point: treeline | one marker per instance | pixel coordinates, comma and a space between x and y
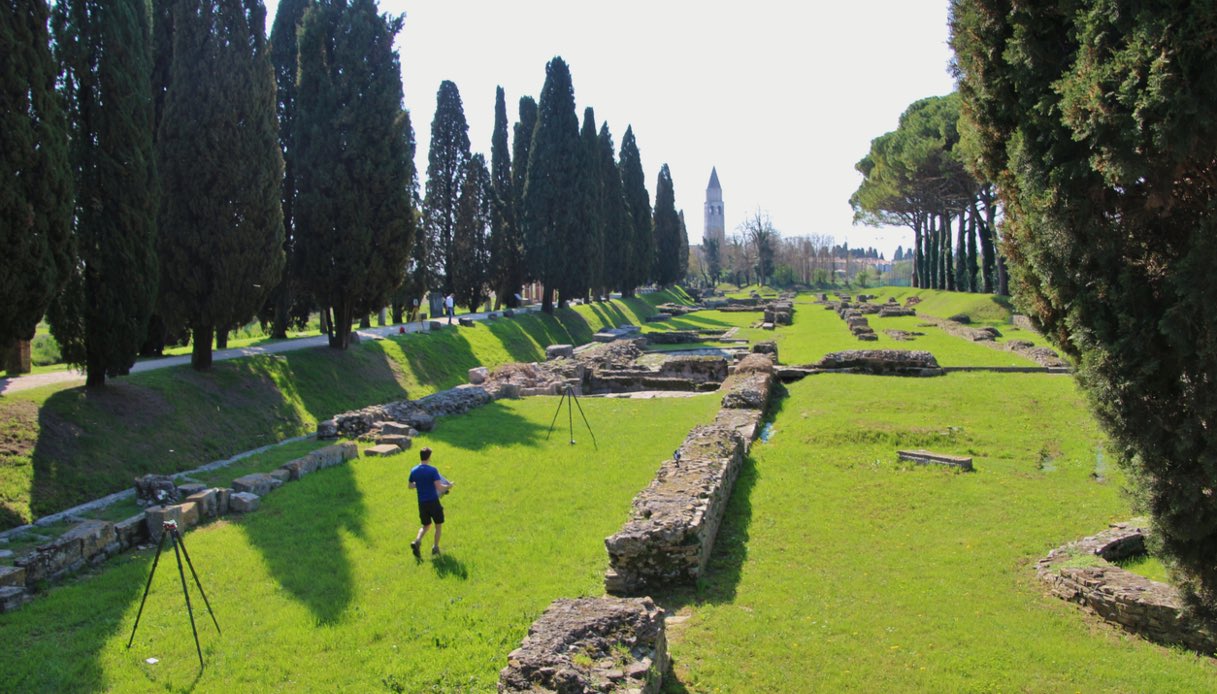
169, 171
918, 176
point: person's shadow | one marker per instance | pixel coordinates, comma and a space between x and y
447, 565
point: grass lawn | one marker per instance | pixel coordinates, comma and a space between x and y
839, 569
63, 445
317, 591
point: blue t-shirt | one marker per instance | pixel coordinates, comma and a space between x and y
424, 478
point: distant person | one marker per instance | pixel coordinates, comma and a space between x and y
431, 486
414, 310
450, 307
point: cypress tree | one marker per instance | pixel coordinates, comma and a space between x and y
638, 203
551, 194
101, 317
614, 215
470, 242
447, 162
507, 250
354, 221
284, 306
520, 147
221, 222
666, 269
35, 176
587, 268
682, 262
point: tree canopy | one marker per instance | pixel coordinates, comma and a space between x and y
641, 248
1098, 122
447, 162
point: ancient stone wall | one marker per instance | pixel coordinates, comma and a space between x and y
1138, 604
673, 523
591, 645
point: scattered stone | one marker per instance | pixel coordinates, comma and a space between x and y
903, 335
434, 325
207, 503
559, 351
155, 518
12, 576
961, 318
185, 490
243, 502
132, 531
190, 515
478, 375
258, 483
282, 475
766, 347
768, 326
924, 457
381, 450
577, 646
402, 442
465, 322
13, 597
156, 489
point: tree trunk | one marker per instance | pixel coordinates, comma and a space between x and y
340, 327
918, 261
325, 321
1003, 278
547, 298
17, 357
95, 370
972, 267
365, 322
283, 306
200, 353
961, 253
399, 312
222, 338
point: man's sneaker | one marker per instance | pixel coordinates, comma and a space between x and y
435, 551
414, 548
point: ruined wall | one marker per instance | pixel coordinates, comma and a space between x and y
1139, 605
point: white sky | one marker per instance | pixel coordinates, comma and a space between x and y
783, 97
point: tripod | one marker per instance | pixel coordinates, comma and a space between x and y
568, 396
170, 530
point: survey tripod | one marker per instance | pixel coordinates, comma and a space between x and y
568, 396
170, 530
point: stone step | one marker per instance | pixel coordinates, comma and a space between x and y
383, 449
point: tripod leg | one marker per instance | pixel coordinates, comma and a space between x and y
570, 415
160, 546
189, 610
556, 413
586, 423
182, 541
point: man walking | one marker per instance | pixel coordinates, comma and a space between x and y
430, 485
450, 307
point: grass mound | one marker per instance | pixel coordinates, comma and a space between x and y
61, 446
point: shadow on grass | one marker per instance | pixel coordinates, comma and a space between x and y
493, 425
516, 341
441, 358
446, 565
300, 536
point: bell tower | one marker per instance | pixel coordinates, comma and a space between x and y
716, 227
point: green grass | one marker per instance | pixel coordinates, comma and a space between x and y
840, 569
69, 445
317, 591
1146, 565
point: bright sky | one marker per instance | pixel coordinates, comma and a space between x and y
783, 97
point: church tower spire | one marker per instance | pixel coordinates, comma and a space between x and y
716, 226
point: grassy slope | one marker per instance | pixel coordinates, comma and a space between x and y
839, 569
317, 590
61, 446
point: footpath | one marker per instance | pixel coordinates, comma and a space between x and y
28, 381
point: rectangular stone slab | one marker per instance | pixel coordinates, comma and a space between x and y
924, 457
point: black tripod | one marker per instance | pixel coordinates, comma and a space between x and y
170, 530
568, 396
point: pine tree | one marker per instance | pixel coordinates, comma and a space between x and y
614, 215
520, 147
35, 175
682, 261
506, 248
221, 221
284, 306
638, 202
587, 261
354, 219
666, 269
101, 316
447, 161
551, 195
470, 242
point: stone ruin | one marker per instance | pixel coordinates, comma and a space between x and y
591, 645
673, 523
1139, 605
1040, 355
779, 312
883, 362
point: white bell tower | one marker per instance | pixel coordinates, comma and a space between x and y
716, 226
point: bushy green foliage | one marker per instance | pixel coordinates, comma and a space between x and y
641, 247
551, 192
667, 229
587, 274
615, 222
470, 237
447, 162
35, 175
221, 218
506, 242
1097, 121
354, 215
101, 317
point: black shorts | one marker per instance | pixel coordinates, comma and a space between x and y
430, 512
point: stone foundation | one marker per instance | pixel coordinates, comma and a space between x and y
885, 362
591, 645
1147, 608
